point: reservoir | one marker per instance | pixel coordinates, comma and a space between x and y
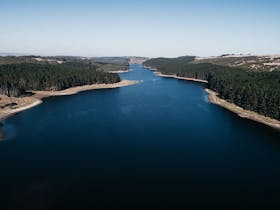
159, 143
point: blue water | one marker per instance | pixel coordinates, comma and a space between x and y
156, 144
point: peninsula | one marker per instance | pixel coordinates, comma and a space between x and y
13, 105
25, 81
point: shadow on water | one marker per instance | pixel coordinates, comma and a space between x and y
1, 131
7, 131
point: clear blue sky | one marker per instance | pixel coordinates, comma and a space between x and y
140, 27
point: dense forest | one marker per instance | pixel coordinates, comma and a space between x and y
16, 79
255, 91
112, 60
110, 67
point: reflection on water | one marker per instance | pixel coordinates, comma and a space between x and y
7, 131
1, 135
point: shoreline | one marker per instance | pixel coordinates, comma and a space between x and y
214, 98
180, 78
24, 103
119, 71
243, 113
158, 73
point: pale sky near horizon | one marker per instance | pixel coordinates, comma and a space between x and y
150, 28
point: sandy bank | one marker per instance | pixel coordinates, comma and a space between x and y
151, 68
74, 90
215, 99
175, 76
12, 105
119, 71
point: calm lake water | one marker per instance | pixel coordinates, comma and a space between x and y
159, 143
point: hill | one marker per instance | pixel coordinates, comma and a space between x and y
248, 63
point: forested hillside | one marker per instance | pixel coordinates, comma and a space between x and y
110, 67
167, 62
16, 79
100, 63
111, 60
255, 91
110, 63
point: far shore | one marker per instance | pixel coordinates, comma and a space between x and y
119, 71
215, 99
24, 103
180, 78
175, 76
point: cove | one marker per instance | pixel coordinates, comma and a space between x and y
159, 143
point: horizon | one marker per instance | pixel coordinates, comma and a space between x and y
145, 29
16, 54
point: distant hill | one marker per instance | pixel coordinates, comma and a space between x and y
247, 62
165, 62
112, 60
137, 59
101, 63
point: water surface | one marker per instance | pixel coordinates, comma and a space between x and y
159, 143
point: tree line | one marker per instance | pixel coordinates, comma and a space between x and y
255, 91
17, 79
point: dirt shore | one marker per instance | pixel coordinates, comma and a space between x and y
215, 99
119, 71
13, 105
175, 76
